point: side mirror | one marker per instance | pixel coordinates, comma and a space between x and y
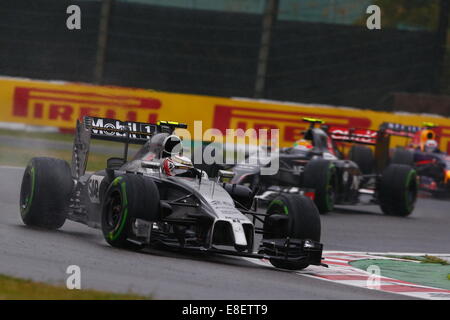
115, 163
151, 165
241, 194
316, 152
224, 175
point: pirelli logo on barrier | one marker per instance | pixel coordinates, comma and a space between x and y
288, 122
59, 106
290, 125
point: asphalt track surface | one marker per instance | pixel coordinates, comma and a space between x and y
44, 256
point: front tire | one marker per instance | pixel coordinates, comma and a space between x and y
128, 197
397, 191
303, 222
403, 156
45, 193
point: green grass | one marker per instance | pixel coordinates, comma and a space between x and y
19, 156
51, 136
433, 259
55, 136
16, 156
18, 289
423, 259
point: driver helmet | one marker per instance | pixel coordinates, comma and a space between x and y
431, 146
176, 165
303, 144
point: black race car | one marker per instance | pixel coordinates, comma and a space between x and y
159, 199
317, 163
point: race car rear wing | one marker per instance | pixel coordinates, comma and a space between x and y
113, 130
379, 139
399, 130
362, 136
127, 131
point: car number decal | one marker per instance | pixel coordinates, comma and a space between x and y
94, 188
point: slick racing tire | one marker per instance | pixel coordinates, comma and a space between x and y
363, 157
45, 193
303, 222
403, 156
127, 198
397, 190
320, 175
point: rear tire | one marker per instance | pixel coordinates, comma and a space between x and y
45, 193
363, 157
303, 223
403, 156
320, 175
128, 197
397, 190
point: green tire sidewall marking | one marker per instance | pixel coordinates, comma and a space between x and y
29, 200
113, 235
116, 181
409, 177
280, 203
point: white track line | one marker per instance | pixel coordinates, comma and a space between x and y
12, 167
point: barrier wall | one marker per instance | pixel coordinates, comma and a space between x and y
59, 104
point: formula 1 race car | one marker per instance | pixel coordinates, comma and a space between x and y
422, 152
159, 199
316, 162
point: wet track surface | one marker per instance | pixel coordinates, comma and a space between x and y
44, 256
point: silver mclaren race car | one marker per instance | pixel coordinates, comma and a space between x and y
158, 198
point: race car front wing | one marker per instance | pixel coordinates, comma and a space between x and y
286, 249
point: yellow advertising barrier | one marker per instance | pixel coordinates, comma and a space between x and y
59, 104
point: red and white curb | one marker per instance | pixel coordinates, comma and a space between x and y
340, 271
